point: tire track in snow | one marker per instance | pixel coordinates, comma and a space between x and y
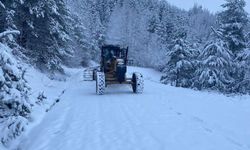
212, 129
137, 127
123, 131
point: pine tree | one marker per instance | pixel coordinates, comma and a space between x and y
242, 85
248, 39
199, 22
44, 32
171, 23
215, 66
15, 106
7, 19
6, 15
232, 21
179, 68
79, 44
2, 16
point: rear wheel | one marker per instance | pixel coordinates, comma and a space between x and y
137, 83
100, 83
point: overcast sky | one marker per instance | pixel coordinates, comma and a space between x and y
212, 5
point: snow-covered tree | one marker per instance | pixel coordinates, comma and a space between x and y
215, 66
94, 15
233, 21
7, 19
15, 106
248, 38
242, 84
44, 32
79, 44
179, 68
172, 23
199, 22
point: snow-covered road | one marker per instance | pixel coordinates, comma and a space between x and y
161, 118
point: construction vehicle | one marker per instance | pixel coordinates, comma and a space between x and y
113, 69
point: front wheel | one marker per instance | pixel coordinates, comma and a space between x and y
100, 83
137, 83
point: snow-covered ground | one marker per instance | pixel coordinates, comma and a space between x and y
161, 118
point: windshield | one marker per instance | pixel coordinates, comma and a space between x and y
108, 54
113, 53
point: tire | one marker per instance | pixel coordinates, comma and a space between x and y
100, 83
137, 83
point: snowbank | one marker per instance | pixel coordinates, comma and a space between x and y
40, 85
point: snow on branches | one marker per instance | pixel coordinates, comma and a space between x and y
2, 5
179, 67
14, 97
215, 64
10, 32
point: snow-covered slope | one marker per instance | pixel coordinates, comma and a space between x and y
161, 118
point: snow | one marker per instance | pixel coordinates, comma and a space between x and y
52, 90
2, 5
163, 117
5, 33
